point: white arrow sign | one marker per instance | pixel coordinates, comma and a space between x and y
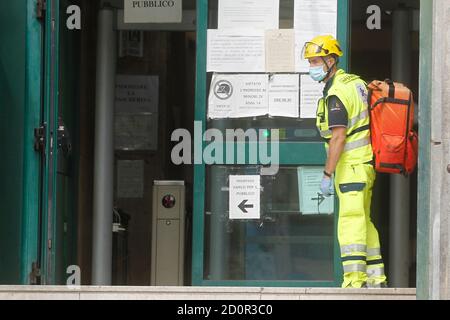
244, 197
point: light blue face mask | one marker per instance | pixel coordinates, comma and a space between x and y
317, 73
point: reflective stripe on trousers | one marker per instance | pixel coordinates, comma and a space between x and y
354, 267
375, 271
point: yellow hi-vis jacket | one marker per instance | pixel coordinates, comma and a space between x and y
352, 92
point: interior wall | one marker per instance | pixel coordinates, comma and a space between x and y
86, 116
154, 62
164, 56
170, 56
370, 58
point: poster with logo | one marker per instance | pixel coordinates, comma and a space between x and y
251, 95
221, 96
238, 96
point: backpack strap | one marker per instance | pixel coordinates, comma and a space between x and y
390, 83
390, 100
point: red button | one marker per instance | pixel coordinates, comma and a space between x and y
168, 201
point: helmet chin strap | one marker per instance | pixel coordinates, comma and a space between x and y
328, 68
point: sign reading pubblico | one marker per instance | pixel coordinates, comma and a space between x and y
153, 11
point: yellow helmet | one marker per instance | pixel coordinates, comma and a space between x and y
321, 46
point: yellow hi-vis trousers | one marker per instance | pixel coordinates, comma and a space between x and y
358, 238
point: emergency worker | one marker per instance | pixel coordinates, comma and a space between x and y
343, 122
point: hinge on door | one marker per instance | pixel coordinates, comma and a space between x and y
35, 275
40, 9
39, 138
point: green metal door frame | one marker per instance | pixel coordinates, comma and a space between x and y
291, 153
50, 118
31, 163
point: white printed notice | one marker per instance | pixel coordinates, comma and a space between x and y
244, 196
280, 52
136, 94
136, 131
301, 65
222, 93
258, 14
235, 51
252, 97
318, 16
311, 199
238, 96
312, 18
283, 95
130, 178
145, 11
310, 93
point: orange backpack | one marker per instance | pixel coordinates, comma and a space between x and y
394, 142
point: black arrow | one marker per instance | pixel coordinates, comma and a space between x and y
243, 206
319, 198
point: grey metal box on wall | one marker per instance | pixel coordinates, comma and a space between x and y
168, 233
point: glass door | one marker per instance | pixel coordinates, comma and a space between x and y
291, 241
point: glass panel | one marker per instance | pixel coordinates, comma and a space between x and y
283, 244
290, 129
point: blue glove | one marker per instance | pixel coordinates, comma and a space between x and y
326, 186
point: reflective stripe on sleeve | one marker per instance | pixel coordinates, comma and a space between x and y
351, 248
325, 133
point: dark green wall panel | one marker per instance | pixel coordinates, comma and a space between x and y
12, 102
19, 113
